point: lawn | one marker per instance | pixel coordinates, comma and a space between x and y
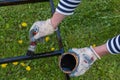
93, 23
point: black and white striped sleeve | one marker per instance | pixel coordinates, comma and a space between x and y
113, 45
67, 7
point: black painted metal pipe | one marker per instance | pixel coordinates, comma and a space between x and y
30, 57
58, 30
16, 2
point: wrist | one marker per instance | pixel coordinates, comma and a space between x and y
53, 23
57, 19
95, 53
101, 50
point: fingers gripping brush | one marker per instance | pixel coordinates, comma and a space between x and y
33, 43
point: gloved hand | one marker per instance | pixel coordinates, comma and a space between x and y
77, 61
41, 29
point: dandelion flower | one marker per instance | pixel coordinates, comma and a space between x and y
47, 39
20, 41
4, 65
15, 63
22, 64
94, 45
28, 68
52, 49
24, 24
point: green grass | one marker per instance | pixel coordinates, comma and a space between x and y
93, 22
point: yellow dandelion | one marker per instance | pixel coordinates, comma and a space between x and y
28, 68
15, 63
4, 65
20, 41
24, 24
52, 49
47, 39
22, 64
94, 45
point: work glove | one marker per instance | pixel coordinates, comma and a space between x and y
77, 61
40, 29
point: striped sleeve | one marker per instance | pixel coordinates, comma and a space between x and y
113, 45
67, 7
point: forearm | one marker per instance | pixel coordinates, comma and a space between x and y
57, 19
112, 46
64, 8
101, 50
